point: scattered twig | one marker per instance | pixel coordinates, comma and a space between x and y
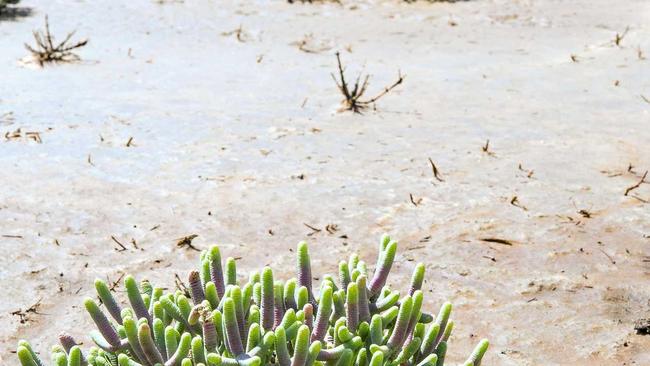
23, 315
608, 256
90, 160
180, 285
497, 241
515, 202
574, 58
187, 242
645, 99
619, 37
416, 247
129, 143
18, 134
490, 258
529, 173
352, 98
314, 230
486, 148
239, 33
46, 51
331, 228
307, 45
584, 213
12, 236
436, 172
115, 284
414, 201
637, 185
122, 247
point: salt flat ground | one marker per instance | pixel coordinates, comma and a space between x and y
237, 140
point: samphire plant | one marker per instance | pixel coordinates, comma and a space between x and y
353, 320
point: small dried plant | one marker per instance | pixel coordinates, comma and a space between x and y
352, 97
46, 50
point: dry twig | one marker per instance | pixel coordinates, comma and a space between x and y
122, 247
187, 242
629, 189
352, 97
47, 51
497, 241
619, 37
436, 173
23, 315
239, 33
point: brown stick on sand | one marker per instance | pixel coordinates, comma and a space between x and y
630, 189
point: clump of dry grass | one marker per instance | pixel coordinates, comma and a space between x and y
47, 51
353, 97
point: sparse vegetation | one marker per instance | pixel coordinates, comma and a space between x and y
47, 51
352, 96
357, 320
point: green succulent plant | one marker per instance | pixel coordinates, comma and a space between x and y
356, 320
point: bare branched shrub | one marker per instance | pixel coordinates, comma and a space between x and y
47, 51
352, 97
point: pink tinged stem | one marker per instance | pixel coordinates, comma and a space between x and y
232, 328
322, 315
352, 307
109, 301
105, 327
67, 342
364, 306
216, 272
148, 346
278, 302
133, 293
399, 330
196, 287
267, 308
209, 335
417, 278
304, 268
308, 310
384, 264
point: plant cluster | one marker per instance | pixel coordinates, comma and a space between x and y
353, 320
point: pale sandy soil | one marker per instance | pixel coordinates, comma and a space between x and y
223, 129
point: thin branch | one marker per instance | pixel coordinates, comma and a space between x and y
436, 173
629, 189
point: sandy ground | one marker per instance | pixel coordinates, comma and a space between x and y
239, 141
